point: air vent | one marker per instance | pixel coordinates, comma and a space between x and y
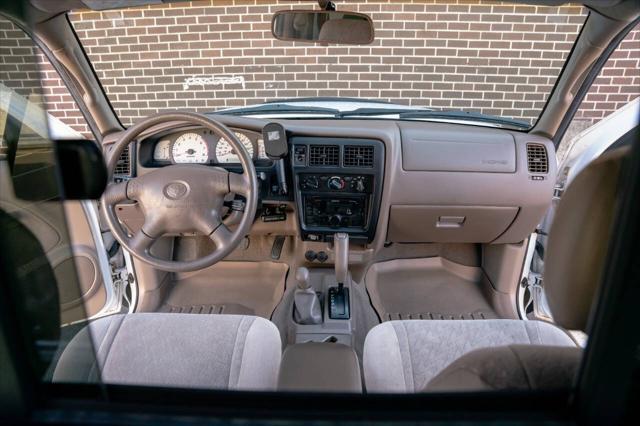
324, 155
358, 156
123, 167
537, 160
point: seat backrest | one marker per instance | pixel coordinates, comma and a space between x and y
578, 240
513, 367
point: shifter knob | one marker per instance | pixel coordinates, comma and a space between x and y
302, 278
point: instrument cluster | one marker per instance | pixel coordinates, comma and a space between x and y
202, 146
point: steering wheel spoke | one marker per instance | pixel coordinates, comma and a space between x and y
239, 183
222, 236
115, 193
141, 242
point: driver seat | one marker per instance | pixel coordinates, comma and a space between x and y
175, 350
154, 349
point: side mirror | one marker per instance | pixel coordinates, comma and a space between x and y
82, 169
322, 26
57, 170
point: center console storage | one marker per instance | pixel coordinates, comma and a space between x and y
320, 367
335, 324
338, 186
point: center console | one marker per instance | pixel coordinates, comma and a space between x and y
338, 186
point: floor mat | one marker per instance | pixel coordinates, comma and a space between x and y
478, 315
242, 288
229, 309
430, 288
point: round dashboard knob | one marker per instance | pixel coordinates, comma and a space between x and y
311, 182
335, 221
336, 183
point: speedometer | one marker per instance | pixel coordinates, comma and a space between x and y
225, 153
190, 148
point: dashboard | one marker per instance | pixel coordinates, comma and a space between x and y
200, 146
381, 181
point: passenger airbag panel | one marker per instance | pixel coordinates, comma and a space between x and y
468, 150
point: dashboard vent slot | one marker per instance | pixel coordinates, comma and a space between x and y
123, 166
324, 155
537, 160
358, 156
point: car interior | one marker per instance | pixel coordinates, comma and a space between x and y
296, 246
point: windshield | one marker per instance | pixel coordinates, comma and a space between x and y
496, 59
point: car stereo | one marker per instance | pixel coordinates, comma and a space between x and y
338, 184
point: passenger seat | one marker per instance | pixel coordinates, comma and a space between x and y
416, 356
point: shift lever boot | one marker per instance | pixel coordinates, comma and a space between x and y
306, 305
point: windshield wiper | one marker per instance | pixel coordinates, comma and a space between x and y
437, 114
279, 109
361, 112
402, 113
330, 99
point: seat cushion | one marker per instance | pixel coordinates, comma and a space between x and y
403, 356
175, 350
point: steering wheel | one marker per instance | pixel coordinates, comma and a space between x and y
181, 198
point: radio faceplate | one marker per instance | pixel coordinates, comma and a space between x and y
335, 212
333, 198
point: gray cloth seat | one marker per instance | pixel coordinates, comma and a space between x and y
175, 350
404, 356
414, 356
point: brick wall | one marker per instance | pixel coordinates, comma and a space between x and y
493, 58
19, 63
490, 57
22, 65
618, 82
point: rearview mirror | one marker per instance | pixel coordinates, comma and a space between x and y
322, 26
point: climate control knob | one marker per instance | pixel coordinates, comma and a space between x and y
310, 182
336, 183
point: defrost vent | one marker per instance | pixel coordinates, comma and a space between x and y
324, 155
537, 159
358, 156
123, 166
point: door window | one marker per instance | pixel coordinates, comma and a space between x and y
32, 215
610, 109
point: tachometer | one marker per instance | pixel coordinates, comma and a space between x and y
162, 150
225, 152
190, 148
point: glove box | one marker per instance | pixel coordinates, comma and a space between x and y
448, 224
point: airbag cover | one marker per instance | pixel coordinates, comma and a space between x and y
468, 150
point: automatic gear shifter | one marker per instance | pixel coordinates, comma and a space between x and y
341, 249
306, 308
339, 296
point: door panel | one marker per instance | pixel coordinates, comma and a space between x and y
84, 259
28, 190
